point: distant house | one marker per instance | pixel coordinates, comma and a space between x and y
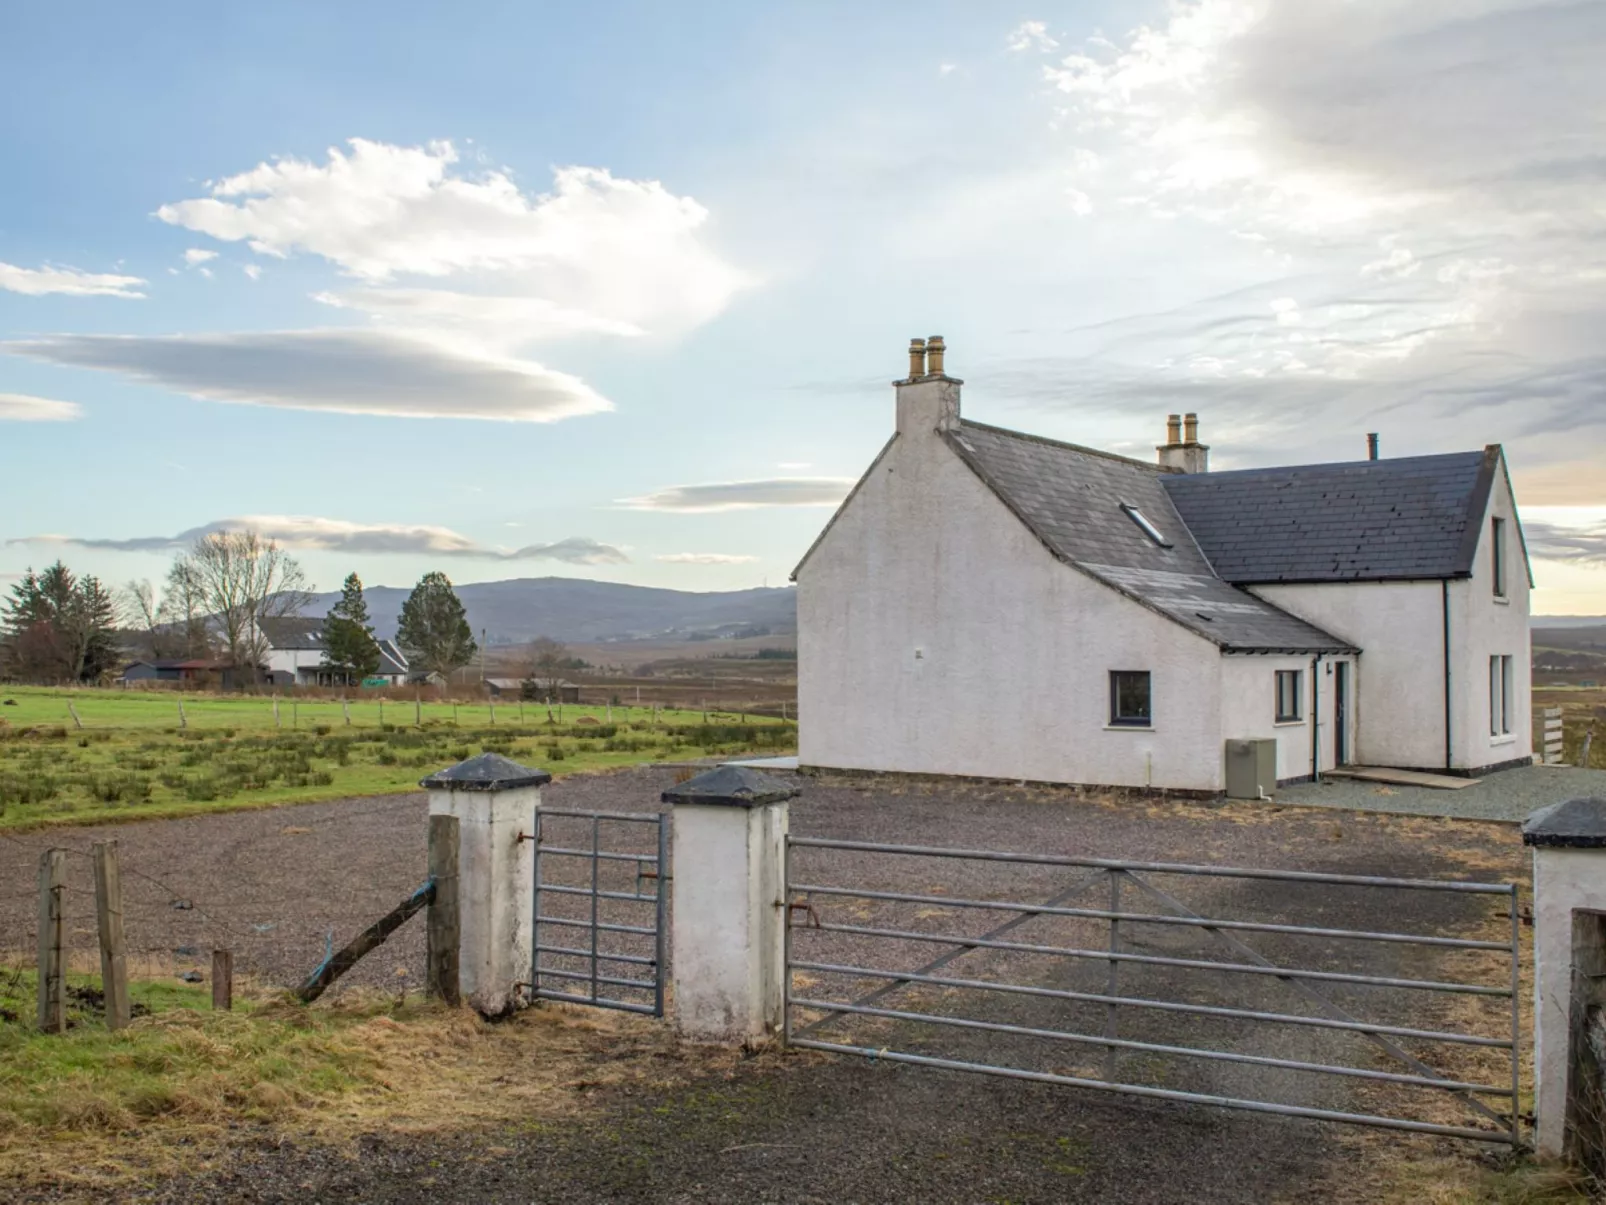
297, 657
991, 603
549, 690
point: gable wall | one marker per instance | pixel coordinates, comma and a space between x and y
937, 635
1482, 626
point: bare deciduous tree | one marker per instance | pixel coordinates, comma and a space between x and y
240, 579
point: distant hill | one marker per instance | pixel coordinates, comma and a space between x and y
1566, 621
573, 609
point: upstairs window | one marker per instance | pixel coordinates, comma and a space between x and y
1148, 528
1290, 692
1130, 699
1497, 545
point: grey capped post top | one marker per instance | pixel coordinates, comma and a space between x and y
487, 772
1573, 824
732, 786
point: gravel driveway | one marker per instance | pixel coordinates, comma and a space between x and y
1509, 795
806, 1127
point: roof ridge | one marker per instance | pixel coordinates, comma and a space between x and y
1158, 470
1369, 465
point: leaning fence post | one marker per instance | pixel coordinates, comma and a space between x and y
1569, 939
492, 799
109, 921
443, 924
52, 978
222, 980
728, 893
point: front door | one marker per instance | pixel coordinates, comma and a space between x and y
1341, 753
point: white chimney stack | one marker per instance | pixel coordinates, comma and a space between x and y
1182, 452
928, 400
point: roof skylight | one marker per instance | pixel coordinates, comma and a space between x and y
1142, 520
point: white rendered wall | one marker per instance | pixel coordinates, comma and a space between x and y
1398, 682
1249, 709
1481, 626
1564, 880
936, 635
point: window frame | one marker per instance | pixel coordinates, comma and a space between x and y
1497, 546
1296, 695
1117, 720
1502, 700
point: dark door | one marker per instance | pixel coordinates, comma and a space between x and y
1341, 752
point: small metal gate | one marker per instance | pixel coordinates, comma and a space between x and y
1115, 989
599, 894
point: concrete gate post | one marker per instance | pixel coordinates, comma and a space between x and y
728, 896
494, 800
1569, 883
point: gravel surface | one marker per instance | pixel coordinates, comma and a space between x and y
805, 1127
1509, 795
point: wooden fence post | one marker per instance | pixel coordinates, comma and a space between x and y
52, 980
73, 711
109, 921
276, 722
182, 722
346, 708
222, 980
443, 925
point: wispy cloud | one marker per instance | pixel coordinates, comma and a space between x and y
1031, 35
21, 408
194, 256
338, 535
1582, 542
350, 372
37, 282
704, 558
597, 253
744, 495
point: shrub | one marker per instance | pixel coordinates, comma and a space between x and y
555, 753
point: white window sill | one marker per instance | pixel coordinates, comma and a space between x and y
1289, 724
1509, 739
1129, 727
1502, 600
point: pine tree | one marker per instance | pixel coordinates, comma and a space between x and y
348, 637
434, 628
59, 627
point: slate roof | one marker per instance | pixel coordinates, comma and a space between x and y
1416, 517
1072, 499
293, 632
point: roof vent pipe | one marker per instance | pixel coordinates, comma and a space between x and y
1371, 445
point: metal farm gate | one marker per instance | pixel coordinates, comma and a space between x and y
599, 931
1382, 1002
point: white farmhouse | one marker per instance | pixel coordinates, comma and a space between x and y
996, 604
297, 656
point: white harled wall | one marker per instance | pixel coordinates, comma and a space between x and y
937, 635
1249, 708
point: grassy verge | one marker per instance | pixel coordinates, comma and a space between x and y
55, 773
96, 1108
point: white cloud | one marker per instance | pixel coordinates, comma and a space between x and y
745, 495
21, 408
597, 253
1031, 35
1573, 534
794, 466
349, 372
704, 558
339, 535
36, 282
198, 255
254, 271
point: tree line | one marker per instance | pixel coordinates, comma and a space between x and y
216, 605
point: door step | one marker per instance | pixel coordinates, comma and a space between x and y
1403, 778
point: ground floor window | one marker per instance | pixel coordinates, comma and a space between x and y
1290, 692
1501, 695
1130, 698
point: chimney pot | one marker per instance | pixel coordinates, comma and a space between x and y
1371, 445
1190, 428
934, 350
917, 359
1173, 429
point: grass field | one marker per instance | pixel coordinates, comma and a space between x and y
131, 754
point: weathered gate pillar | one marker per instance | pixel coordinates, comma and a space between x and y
1569, 844
494, 800
728, 896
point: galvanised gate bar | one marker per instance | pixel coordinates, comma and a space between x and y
1134, 1007
599, 912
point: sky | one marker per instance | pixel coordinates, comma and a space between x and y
617, 290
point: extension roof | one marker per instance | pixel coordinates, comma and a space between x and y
1417, 517
1080, 503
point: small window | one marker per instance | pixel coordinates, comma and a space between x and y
1142, 520
1502, 700
1497, 545
1290, 683
1129, 698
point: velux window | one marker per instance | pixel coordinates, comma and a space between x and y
1290, 691
1148, 528
1130, 698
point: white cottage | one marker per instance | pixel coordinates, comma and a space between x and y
996, 604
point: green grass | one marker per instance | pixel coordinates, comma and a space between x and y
132, 760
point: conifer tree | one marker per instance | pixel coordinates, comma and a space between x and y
434, 628
348, 638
